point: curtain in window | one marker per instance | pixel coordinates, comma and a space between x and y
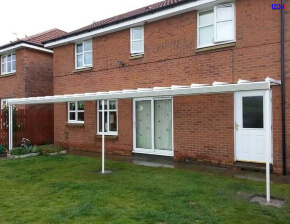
143, 124
163, 124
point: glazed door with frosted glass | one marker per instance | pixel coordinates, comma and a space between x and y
251, 126
143, 125
153, 126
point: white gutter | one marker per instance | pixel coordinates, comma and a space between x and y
138, 93
24, 45
136, 22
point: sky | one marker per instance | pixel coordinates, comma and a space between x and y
29, 17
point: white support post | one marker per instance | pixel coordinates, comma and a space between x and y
10, 125
103, 137
268, 121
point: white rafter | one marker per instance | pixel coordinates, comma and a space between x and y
175, 90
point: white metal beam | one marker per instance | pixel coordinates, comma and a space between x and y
10, 126
103, 137
157, 92
268, 109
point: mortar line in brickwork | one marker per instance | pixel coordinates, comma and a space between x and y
171, 59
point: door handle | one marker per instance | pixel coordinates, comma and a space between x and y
237, 126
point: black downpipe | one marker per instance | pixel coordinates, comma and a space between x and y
283, 89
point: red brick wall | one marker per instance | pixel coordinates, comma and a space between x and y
170, 59
204, 127
33, 77
14, 86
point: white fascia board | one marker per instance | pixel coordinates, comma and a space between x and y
24, 45
135, 22
265, 85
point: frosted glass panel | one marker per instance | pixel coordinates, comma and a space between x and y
137, 34
225, 31
224, 13
80, 60
13, 66
143, 125
3, 68
88, 58
79, 48
206, 18
163, 124
88, 46
206, 36
9, 67
137, 46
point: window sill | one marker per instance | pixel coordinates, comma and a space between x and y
9, 74
108, 137
75, 125
83, 69
215, 48
136, 56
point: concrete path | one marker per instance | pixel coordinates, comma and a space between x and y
158, 161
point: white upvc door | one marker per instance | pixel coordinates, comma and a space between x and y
253, 122
153, 126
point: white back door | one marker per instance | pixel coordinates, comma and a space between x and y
252, 126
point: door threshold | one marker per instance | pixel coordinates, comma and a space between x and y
252, 166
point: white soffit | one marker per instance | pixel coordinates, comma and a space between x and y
163, 14
194, 89
23, 45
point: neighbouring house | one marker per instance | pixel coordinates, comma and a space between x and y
177, 42
26, 70
27, 67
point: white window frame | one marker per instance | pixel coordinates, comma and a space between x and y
83, 53
132, 41
76, 111
108, 110
153, 150
4, 102
6, 64
215, 41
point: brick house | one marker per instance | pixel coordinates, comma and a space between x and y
26, 67
176, 42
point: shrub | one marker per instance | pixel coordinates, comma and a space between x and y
49, 149
19, 151
23, 150
2, 150
44, 149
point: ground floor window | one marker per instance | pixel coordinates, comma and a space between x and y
110, 110
153, 126
76, 112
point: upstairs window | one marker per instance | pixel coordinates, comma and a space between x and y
84, 54
110, 115
76, 112
216, 26
8, 64
137, 40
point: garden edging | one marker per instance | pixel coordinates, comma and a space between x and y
22, 156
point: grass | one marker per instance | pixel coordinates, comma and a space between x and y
66, 189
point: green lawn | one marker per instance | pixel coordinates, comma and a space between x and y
66, 190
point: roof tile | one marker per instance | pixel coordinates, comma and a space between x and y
134, 13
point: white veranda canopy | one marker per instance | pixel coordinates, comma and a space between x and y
175, 90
